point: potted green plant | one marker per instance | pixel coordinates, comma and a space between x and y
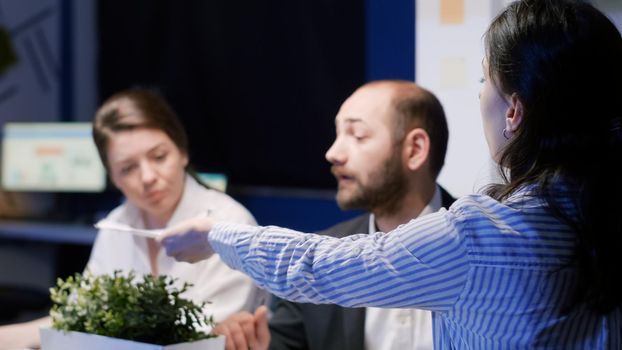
123, 312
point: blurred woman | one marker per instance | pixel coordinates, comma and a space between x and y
144, 148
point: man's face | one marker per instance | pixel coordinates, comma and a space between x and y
366, 159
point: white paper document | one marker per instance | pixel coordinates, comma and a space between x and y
116, 226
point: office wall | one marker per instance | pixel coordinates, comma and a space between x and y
34, 27
84, 58
257, 84
448, 62
54, 77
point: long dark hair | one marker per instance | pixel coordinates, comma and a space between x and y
563, 59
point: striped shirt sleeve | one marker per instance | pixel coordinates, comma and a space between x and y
420, 264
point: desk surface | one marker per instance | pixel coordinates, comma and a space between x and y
54, 232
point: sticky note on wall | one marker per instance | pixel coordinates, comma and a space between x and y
453, 72
452, 11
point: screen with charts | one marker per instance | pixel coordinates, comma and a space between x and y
52, 157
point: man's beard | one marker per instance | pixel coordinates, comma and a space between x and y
383, 194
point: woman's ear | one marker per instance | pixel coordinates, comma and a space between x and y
416, 148
185, 159
514, 115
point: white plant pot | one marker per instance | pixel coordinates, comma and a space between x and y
52, 339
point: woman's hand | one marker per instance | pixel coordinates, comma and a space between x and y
187, 241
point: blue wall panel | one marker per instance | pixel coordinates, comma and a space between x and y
390, 33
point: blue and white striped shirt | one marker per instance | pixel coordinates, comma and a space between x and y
496, 275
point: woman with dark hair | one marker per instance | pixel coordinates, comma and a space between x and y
534, 263
144, 148
560, 63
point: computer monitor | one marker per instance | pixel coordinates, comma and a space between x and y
51, 157
216, 181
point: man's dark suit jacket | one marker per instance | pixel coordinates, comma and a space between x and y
325, 327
